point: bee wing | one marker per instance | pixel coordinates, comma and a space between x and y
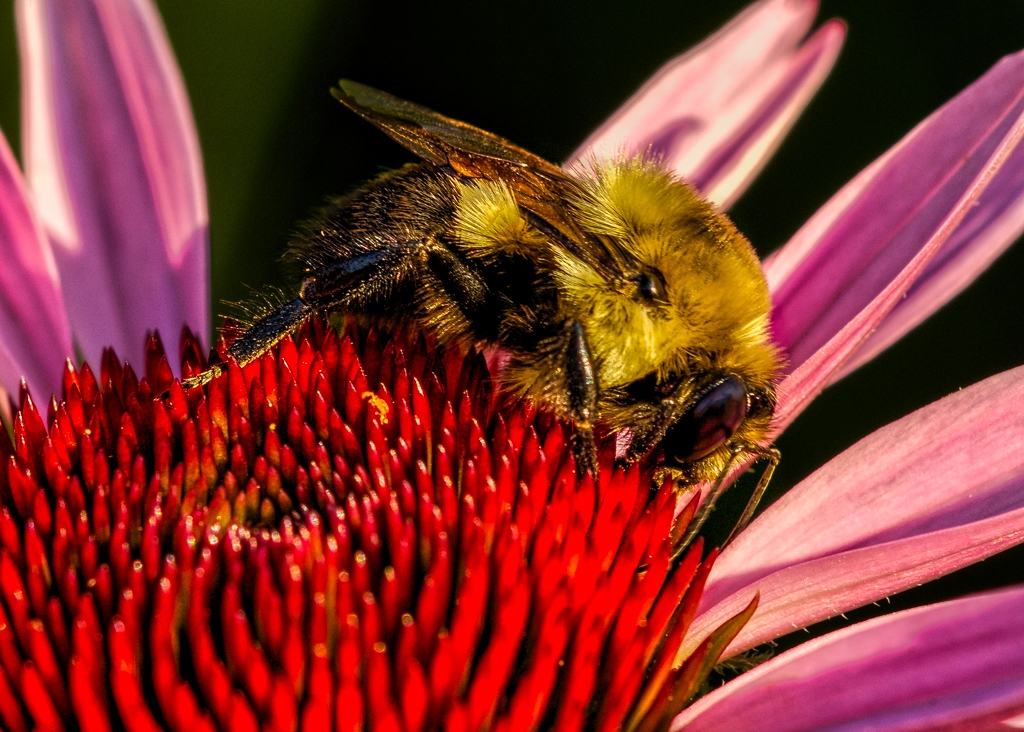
438, 139
540, 187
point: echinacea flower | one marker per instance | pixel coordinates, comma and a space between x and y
351, 533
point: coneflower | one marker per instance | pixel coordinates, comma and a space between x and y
262, 554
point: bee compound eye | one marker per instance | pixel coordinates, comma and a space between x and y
714, 417
645, 287
649, 286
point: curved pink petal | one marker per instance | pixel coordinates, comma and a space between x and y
798, 596
870, 256
954, 666
112, 157
995, 222
858, 243
35, 337
931, 493
717, 113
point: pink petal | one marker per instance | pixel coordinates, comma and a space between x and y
858, 243
798, 596
35, 337
954, 666
841, 276
718, 112
113, 159
931, 493
995, 222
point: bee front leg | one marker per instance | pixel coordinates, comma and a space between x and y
348, 282
582, 388
268, 330
257, 340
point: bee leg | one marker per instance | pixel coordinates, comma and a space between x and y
263, 334
362, 280
582, 389
708, 505
772, 456
268, 330
348, 281
753, 452
469, 292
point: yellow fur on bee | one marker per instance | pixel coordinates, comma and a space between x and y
487, 221
718, 302
716, 311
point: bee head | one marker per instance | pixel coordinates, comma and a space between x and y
690, 297
682, 337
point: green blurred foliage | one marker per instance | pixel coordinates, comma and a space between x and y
544, 74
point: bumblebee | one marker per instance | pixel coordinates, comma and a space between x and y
621, 300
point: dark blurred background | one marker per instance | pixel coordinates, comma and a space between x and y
545, 74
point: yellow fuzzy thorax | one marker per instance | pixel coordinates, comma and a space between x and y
716, 310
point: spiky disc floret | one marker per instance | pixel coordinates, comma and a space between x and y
343, 535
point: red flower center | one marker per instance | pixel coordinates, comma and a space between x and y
346, 534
